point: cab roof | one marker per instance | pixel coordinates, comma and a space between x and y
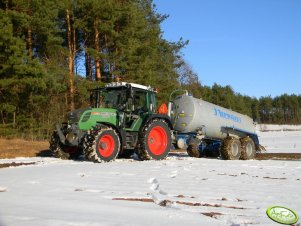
124, 84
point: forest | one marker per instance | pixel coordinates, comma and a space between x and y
53, 52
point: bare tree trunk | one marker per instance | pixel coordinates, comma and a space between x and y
6, 6
29, 41
71, 38
65, 110
29, 29
107, 75
88, 61
96, 43
2, 116
117, 76
88, 65
14, 119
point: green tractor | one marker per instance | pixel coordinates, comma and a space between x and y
122, 120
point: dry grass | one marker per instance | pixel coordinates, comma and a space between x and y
13, 164
278, 156
12, 148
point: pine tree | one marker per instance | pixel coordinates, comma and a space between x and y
21, 77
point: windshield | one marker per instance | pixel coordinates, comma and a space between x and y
109, 98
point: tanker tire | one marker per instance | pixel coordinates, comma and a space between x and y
231, 148
248, 150
56, 148
93, 141
193, 151
149, 138
260, 149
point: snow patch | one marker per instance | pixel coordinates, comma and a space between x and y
272, 127
3, 189
176, 191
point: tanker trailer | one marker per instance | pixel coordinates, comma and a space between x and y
204, 127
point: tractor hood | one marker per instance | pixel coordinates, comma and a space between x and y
92, 116
74, 116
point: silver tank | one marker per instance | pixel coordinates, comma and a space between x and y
190, 114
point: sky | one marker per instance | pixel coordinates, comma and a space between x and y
252, 45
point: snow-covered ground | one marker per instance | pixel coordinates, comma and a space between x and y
271, 127
177, 191
280, 138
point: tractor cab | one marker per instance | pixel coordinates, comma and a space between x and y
124, 96
133, 102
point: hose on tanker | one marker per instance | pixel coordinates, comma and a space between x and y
175, 91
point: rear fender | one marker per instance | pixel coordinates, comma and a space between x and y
151, 117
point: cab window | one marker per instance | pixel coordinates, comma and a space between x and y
140, 101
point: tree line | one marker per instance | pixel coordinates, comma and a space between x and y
53, 52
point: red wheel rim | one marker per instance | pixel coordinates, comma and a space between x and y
106, 146
157, 140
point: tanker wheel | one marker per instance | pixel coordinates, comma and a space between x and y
248, 150
193, 149
56, 148
154, 141
101, 144
231, 148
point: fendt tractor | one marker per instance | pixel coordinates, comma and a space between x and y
123, 120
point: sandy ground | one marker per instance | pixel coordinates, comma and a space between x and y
12, 148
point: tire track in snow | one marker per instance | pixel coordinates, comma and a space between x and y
166, 200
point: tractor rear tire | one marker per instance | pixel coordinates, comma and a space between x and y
56, 148
154, 141
231, 148
248, 150
101, 144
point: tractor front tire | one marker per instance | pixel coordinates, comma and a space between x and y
154, 141
56, 148
231, 148
101, 144
248, 150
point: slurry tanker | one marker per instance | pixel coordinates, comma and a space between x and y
122, 119
208, 129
